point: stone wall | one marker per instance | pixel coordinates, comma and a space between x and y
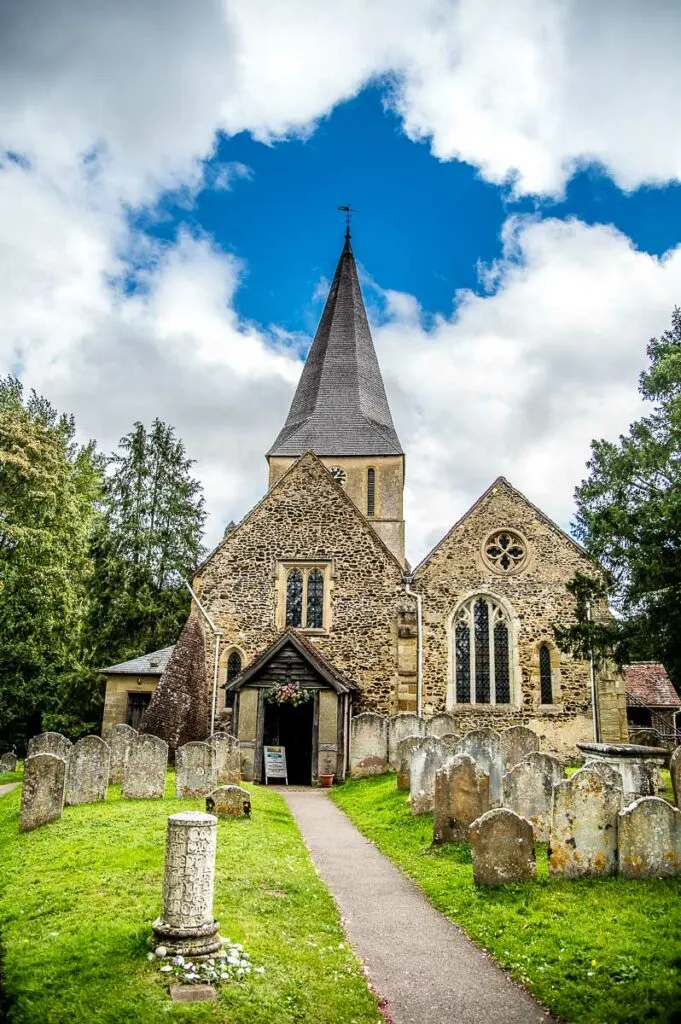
116, 699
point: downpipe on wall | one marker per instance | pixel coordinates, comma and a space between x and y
216, 661
419, 643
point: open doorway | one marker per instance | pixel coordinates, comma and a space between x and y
291, 727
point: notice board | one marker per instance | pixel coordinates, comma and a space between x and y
275, 763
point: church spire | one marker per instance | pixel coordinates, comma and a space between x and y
340, 406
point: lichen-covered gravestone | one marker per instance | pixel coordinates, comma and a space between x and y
50, 743
88, 771
42, 793
440, 724
368, 745
144, 772
404, 752
229, 802
461, 796
426, 757
516, 742
528, 790
8, 763
484, 746
675, 772
502, 847
451, 739
227, 758
121, 738
583, 837
195, 769
400, 726
609, 774
650, 839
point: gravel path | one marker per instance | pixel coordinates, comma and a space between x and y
423, 966
8, 787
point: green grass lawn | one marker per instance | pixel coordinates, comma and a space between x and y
603, 951
78, 896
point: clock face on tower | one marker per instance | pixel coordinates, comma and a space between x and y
339, 475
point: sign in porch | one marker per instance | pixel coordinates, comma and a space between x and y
275, 763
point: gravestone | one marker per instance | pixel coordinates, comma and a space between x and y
195, 769
426, 757
516, 742
121, 738
528, 791
88, 771
675, 772
229, 802
404, 752
583, 838
610, 774
440, 724
484, 746
461, 796
399, 728
649, 839
227, 758
450, 739
144, 772
186, 924
368, 745
502, 847
50, 743
42, 793
8, 763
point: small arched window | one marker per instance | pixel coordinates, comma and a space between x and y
233, 666
294, 598
315, 600
545, 681
371, 492
482, 652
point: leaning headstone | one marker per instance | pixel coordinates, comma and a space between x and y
461, 796
502, 847
88, 774
675, 772
144, 772
583, 838
368, 745
196, 771
121, 738
440, 724
484, 746
227, 758
8, 763
649, 839
516, 742
528, 791
399, 728
50, 743
186, 924
426, 757
42, 793
229, 802
404, 752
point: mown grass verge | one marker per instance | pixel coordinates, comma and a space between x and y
77, 899
604, 951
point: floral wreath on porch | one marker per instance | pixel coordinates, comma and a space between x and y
287, 693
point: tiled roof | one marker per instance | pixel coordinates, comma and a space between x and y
648, 680
340, 406
326, 668
146, 665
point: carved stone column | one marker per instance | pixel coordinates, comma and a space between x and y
186, 924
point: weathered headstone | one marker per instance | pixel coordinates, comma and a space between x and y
450, 739
186, 924
440, 724
583, 838
144, 772
610, 775
8, 763
404, 751
88, 771
50, 743
196, 771
461, 796
649, 839
399, 728
426, 757
229, 802
516, 742
528, 790
227, 758
121, 738
675, 772
484, 746
368, 745
502, 847
42, 793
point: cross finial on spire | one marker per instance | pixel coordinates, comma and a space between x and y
348, 211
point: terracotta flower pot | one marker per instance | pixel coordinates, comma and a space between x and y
326, 781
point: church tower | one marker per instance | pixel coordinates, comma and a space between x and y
341, 413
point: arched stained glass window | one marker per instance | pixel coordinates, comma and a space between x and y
482, 652
315, 600
545, 681
233, 666
294, 598
371, 492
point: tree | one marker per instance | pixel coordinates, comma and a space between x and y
629, 520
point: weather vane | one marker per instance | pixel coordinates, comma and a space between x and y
348, 211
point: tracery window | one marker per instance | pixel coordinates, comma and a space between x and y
303, 594
505, 552
294, 598
482, 652
233, 666
315, 600
545, 681
371, 492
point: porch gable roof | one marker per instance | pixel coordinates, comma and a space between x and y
311, 654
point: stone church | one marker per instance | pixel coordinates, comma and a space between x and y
312, 587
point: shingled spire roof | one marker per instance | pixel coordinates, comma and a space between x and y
340, 406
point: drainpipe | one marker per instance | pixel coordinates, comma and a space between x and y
592, 678
419, 643
216, 660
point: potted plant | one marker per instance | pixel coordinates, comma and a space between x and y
326, 779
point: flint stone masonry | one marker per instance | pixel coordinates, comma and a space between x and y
502, 847
528, 791
404, 752
429, 755
368, 745
144, 772
650, 839
42, 794
227, 758
461, 796
484, 746
583, 837
88, 771
196, 771
8, 763
50, 743
186, 924
439, 725
400, 727
121, 738
516, 742
229, 802
675, 772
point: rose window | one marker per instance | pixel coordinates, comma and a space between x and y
505, 552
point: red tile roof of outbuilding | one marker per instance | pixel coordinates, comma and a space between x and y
648, 680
